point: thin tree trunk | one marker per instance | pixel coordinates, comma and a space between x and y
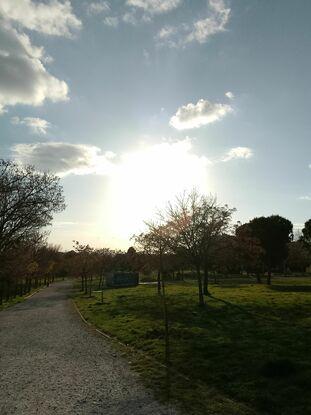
167, 340
159, 282
1, 291
201, 296
205, 280
7, 294
269, 277
85, 285
100, 282
91, 282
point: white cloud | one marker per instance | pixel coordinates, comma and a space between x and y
52, 18
199, 31
305, 198
64, 158
36, 125
199, 114
155, 6
23, 76
229, 95
111, 21
98, 7
133, 18
166, 32
103, 8
238, 153
181, 168
80, 159
167, 36
214, 23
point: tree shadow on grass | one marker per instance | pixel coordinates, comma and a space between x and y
230, 346
291, 288
230, 286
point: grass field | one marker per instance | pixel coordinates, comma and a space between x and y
247, 352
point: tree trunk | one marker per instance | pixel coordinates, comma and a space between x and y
91, 282
167, 339
100, 282
269, 277
258, 277
159, 282
85, 285
1, 291
205, 281
201, 297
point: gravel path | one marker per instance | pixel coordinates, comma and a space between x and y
52, 363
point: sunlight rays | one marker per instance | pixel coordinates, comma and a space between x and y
145, 179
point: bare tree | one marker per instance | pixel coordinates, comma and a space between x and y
154, 243
193, 224
86, 264
28, 200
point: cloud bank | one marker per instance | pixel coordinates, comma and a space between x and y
196, 115
177, 157
144, 11
24, 77
64, 158
52, 18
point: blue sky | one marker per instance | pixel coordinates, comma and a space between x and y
132, 101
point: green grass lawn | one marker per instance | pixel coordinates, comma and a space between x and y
247, 352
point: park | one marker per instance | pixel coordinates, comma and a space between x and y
205, 316
155, 207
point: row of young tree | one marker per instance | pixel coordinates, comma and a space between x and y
194, 233
199, 232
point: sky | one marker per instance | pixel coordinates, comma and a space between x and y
131, 102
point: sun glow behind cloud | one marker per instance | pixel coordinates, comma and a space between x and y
145, 180
137, 183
